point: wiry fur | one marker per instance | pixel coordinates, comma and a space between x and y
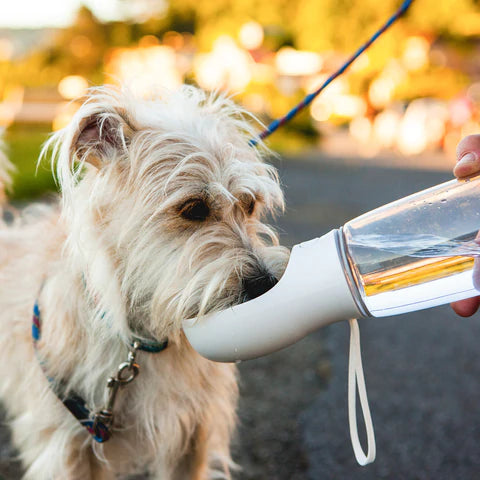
116, 256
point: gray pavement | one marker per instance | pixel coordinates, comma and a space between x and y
422, 371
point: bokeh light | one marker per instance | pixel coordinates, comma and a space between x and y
145, 68
289, 61
251, 35
72, 86
226, 67
415, 54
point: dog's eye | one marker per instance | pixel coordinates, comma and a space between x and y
196, 210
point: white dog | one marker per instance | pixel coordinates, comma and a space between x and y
159, 221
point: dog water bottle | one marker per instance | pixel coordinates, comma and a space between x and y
415, 253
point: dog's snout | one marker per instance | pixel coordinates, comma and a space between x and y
256, 285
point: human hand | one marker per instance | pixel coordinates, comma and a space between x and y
468, 157
468, 163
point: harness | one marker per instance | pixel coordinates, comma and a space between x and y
99, 422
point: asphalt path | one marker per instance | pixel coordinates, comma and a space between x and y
421, 369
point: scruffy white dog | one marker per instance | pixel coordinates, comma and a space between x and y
159, 221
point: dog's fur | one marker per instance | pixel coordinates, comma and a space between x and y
159, 221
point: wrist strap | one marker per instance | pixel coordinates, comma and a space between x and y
357, 380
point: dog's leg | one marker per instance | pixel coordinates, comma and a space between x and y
194, 465
203, 461
87, 467
99, 470
44, 461
79, 471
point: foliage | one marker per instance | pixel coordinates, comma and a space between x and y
441, 83
24, 145
327, 24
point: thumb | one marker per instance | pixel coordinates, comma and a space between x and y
468, 157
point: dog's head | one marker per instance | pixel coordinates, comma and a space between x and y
166, 205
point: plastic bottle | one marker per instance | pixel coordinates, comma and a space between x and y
415, 253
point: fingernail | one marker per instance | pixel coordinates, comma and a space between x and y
469, 157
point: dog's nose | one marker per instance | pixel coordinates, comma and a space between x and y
257, 285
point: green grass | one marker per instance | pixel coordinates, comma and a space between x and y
24, 143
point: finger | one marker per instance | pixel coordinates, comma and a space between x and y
468, 165
467, 307
468, 156
468, 144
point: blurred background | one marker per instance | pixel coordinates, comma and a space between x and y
387, 128
416, 91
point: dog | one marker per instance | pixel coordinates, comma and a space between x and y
161, 218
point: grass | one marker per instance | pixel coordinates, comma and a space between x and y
24, 143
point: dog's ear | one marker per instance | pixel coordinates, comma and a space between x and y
101, 137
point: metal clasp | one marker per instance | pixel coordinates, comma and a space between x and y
126, 373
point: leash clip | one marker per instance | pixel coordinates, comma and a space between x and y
126, 373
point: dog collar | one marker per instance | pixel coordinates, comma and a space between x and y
98, 423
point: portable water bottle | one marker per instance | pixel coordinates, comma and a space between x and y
414, 253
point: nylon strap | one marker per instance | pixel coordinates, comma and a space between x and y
74, 403
356, 380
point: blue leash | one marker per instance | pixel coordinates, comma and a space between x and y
309, 98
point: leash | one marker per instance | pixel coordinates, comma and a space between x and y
98, 423
309, 98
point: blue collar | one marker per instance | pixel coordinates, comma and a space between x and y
99, 429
